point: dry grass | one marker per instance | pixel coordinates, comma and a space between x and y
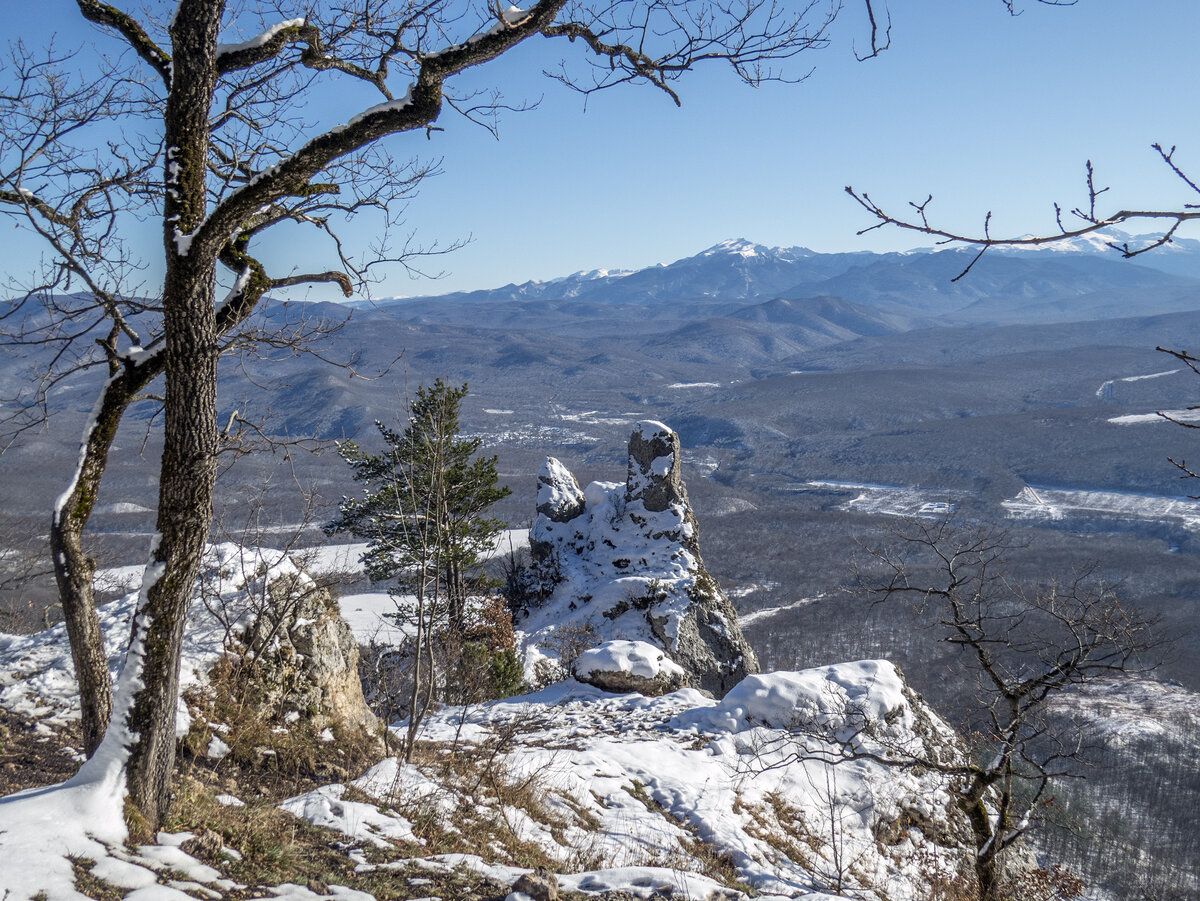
87, 884
274, 847
279, 758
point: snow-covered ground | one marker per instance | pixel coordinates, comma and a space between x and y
635, 794
634, 782
888, 500
1055, 503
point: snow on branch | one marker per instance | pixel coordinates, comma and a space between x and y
260, 40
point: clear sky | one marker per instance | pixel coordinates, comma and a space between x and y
984, 110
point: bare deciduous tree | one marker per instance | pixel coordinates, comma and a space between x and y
208, 136
1084, 219
1023, 646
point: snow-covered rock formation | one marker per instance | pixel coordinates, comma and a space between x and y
246, 596
622, 561
625, 666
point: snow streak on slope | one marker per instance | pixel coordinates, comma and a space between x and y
1189, 415
1106, 388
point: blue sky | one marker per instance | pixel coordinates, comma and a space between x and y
984, 110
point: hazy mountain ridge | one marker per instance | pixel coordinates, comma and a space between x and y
918, 279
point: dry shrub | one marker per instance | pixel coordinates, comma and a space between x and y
285, 754
567, 644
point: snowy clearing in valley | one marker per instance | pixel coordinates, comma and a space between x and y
888, 500
601, 417
1056, 504
1190, 416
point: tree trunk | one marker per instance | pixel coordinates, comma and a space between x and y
184, 511
188, 469
73, 569
986, 855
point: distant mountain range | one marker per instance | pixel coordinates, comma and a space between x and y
1079, 279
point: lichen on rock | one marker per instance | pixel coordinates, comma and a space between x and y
306, 655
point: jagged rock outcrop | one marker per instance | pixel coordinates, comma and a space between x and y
622, 561
307, 655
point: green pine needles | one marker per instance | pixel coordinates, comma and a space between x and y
424, 514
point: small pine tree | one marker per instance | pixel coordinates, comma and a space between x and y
423, 513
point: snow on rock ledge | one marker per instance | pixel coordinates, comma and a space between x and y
638, 780
625, 666
622, 561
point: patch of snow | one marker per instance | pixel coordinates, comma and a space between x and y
118, 578
372, 617
1189, 415
1153, 375
260, 39
121, 508
385, 107
217, 749
637, 658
